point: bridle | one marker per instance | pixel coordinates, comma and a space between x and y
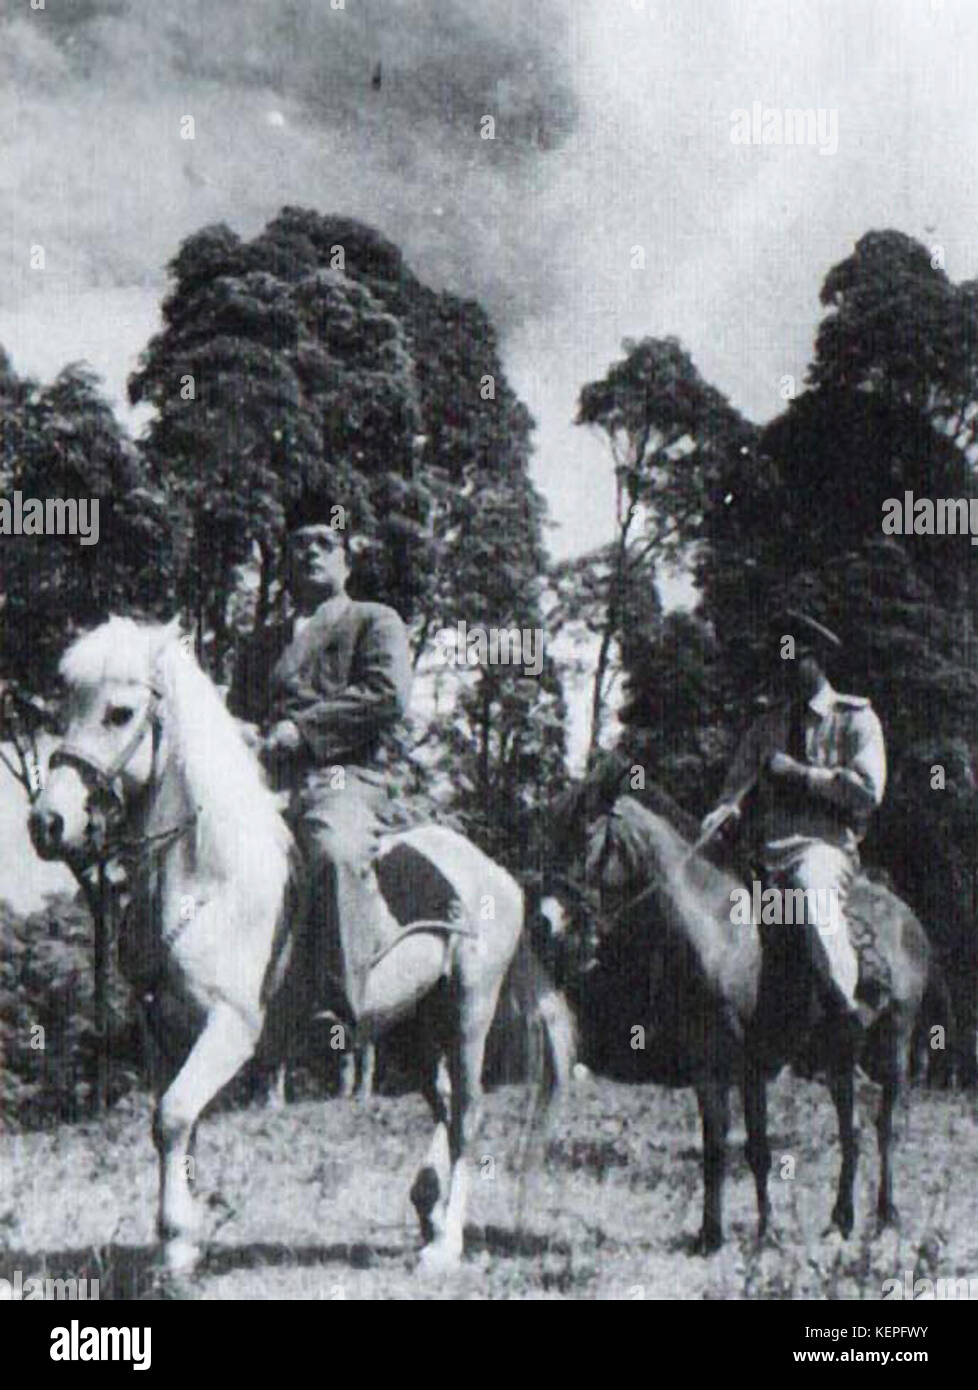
609, 920
103, 780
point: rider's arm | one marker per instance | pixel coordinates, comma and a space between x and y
747, 762
373, 702
859, 783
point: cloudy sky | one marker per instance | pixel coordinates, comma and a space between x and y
613, 131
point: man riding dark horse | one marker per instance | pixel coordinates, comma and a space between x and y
327, 690
817, 763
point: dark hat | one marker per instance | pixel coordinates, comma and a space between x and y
311, 507
806, 632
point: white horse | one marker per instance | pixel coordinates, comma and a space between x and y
154, 769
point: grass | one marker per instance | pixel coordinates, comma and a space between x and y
312, 1202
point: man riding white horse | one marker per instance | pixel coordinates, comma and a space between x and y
327, 689
818, 762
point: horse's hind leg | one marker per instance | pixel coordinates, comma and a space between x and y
223, 1047
714, 1102
348, 1073
842, 1086
758, 1149
476, 1006
357, 1067
429, 1191
894, 1061
275, 1096
367, 1065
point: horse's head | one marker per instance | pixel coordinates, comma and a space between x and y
110, 747
615, 865
632, 851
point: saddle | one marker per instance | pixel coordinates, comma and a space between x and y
410, 893
791, 958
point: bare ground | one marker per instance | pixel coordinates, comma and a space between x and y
311, 1202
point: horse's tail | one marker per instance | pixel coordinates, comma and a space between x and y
551, 1046
933, 1045
551, 1026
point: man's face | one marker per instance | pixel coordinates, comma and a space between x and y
800, 677
318, 562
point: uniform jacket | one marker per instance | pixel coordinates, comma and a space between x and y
845, 771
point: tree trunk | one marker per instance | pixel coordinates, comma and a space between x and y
607, 637
103, 921
264, 586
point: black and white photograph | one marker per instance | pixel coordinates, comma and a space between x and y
489, 661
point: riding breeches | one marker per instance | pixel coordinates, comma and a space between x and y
335, 820
823, 873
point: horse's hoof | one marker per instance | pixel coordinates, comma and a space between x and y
708, 1242
888, 1219
843, 1221
181, 1256
425, 1191
764, 1230
172, 1288
439, 1258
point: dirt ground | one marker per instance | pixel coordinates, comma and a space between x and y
312, 1202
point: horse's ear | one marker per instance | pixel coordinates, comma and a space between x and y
169, 637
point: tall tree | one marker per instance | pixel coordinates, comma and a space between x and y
315, 356
62, 441
669, 433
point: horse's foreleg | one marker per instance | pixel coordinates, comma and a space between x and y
894, 1053
841, 1084
758, 1150
223, 1047
714, 1102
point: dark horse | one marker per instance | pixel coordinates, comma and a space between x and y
717, 1012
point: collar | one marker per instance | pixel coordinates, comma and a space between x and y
822, 702
329, 611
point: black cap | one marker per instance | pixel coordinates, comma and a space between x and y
806, 632
312, 507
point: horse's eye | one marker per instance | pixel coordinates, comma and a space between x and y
118, 715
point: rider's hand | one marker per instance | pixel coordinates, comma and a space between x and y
726, 811
781, 765
283, 738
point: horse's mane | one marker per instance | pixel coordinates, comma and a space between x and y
628, 829
657, 800
240, 830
